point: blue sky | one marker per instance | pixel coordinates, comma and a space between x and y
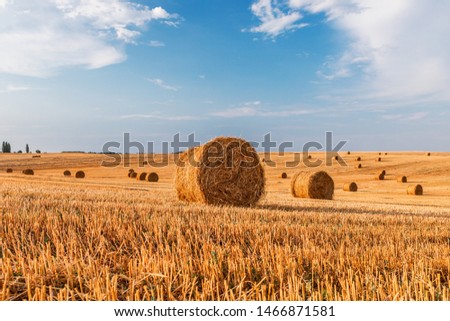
75, 74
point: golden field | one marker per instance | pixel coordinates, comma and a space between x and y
109, 237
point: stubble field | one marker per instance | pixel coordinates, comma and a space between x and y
109, 237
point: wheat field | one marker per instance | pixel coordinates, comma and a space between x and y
108, 237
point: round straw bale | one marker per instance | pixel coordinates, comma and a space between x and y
145, 163
318, 185
336, 157
383, 172
152, 177
358, 159
133, 175
350, 187
379, 154
67, 173
141, 176
378, 159
428, 154
283, 175
130, 170
80, 174
224, 171
402, 179
28, 172
358, 166
348, 153
379, 177
309, 156
9, 170
415, 190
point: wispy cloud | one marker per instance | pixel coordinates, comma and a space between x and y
14, 88
160, 83
156, 43
273, 21
256, 112
88, 34
161, 117
407, 117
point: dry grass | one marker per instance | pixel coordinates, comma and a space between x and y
109, 238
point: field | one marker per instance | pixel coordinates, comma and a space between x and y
109, 237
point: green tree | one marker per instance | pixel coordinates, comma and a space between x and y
27, 149
6, 147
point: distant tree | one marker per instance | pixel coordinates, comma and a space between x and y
27, 149
38, 151
19, 152
6, 147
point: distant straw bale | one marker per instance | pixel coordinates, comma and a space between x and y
415, 190
28, 172
317, 185
350, 187
80, 174
379, 177
142, 176
152, 177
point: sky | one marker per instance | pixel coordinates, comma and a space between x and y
76, 74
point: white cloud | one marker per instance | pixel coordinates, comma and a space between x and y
156, 43
407, 117
14, 88
256, 112
399, 47
160, 83
161, 117
273, 20
40, 37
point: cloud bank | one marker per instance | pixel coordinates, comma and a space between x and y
40, 37
399, 47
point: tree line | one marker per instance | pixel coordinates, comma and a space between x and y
6, 148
